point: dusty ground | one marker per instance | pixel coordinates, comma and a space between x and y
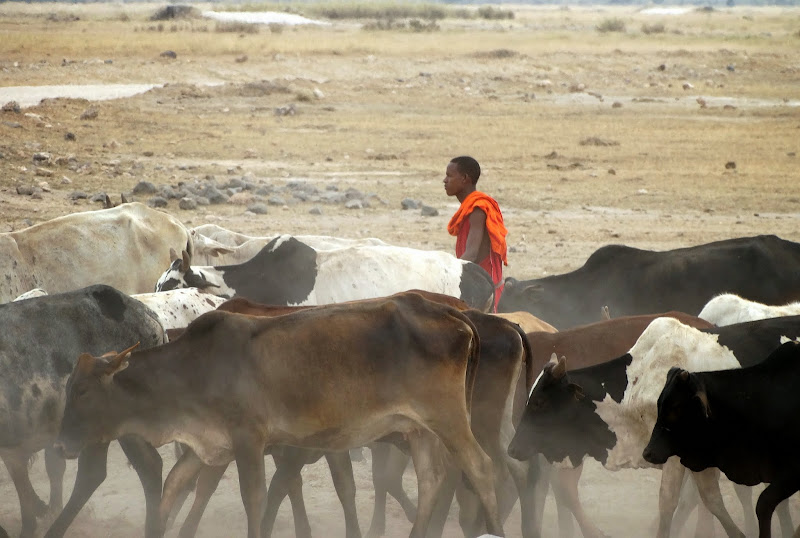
586, 138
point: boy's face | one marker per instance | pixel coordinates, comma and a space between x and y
454, 180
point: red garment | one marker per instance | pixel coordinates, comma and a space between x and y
459, 226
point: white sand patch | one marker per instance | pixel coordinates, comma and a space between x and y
27, 96
263, 17
673, 10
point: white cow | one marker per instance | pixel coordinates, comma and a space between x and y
290, 272
224, 247
177, 308
727, 309
126, 247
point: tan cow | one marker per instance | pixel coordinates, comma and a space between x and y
126, 247
235, 385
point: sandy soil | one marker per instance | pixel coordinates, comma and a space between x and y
395, 107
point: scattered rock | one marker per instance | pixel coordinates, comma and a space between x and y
241, 59
276, 201
288, 110
157, 201
69, 136
170, 54
612, 172
315, 210
90, 113
318, 93
616, 104
187, 203
13, 124
354, 204
45, 186
258, 208
687, 86
11, 106
43, 172
25, 190
662, 67
144, 187
731, 68
408, 203
730, 165
428, 211
78, 195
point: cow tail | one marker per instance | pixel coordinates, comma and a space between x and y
472, 361
530, 375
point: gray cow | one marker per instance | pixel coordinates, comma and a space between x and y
40, 343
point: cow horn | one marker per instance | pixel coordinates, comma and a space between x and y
605, 313
560, 368
186, 262
172, 255
123, 198
120, 362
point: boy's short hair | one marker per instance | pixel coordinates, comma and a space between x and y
469, 167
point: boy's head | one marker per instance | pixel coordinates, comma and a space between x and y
469, 167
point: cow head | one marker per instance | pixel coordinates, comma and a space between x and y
682, 425
89, 415
540, 299
181, 275
560, 422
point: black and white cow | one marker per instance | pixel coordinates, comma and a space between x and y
607, 411
746, 422
727, 309
631, 281
289, 272
42, 339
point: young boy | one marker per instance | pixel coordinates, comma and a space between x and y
478, 223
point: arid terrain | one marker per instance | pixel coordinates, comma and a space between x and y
663, 131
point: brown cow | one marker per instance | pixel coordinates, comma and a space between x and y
584, 346
234, 385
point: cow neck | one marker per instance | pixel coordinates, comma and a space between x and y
607, 378
155, 391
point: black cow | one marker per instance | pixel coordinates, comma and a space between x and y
631, 281
746, 422
289, 272
589, 412
41, 340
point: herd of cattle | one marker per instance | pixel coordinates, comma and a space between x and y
235, 359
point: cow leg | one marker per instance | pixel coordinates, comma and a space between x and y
249, 452
342, 474
772, 495
668, 495
388, 465
289, 462
444, 500
55, 465
180, 476
745, 495
470, 458
785, 518
427, 455
565, 489
30, 505
147, 463
527, 478
207, 482
91, 473
708, 486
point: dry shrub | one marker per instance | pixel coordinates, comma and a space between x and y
494, 13
237, 27
498, 54
175, 12
379, 11
597, 141
656, 28
416, 25
611, 25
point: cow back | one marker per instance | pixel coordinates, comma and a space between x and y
43, 338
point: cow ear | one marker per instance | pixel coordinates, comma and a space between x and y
604, 313
703, 397
186, 262
172, 255
217, 251
577, 391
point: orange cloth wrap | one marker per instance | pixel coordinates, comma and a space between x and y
494, 221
